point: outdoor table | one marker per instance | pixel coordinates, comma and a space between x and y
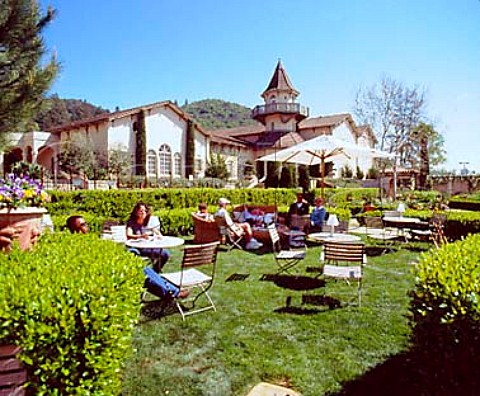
156, 242
401, 224
333, 237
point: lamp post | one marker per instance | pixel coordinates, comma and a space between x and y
464, 170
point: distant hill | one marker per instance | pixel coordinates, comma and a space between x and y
210, 113
217, 113
63, 111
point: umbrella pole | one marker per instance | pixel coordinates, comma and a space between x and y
322, 169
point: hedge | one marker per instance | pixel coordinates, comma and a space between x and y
445, 316
71, 304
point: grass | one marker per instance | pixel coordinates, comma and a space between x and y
272, 328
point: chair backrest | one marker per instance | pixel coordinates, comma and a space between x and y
274, 237
227, 229
12, 372
205, 230
197, 255
119, 233
107, 225
373, 222
438, 222
343, 251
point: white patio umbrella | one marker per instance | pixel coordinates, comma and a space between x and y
319, 149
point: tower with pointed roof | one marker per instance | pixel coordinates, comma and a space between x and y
281, 112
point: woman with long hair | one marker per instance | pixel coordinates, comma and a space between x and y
137, 228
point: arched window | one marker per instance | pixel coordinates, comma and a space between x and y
164, 160
151, 162
177, 161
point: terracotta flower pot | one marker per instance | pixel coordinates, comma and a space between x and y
25, 222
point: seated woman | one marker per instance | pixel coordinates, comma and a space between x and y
137, 229
318, 215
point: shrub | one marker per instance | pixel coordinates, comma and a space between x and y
445, 315
71, 304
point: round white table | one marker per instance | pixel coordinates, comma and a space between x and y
335, 237
163, 242
401, 220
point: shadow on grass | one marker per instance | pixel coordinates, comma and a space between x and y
157, 309
412, 373
325, 302
294, 282
237, 277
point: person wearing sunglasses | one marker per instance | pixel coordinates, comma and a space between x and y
77, 224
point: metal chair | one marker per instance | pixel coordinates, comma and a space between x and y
285, 259
194, 280
335, 253
434, 231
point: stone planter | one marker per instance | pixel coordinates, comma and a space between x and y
25, 221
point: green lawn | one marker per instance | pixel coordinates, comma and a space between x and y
254, 336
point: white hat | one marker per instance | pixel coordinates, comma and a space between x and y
223, 201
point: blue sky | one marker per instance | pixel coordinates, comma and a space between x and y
128, 53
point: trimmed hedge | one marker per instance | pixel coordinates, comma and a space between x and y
71, 304
445, 316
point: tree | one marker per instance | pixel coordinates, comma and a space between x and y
217, 167
392, 110
429, 145
119, 161
78, 156
23, 79
140, 144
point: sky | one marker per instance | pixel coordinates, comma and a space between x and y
129, 53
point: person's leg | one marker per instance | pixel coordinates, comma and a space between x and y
247, 230
158, 286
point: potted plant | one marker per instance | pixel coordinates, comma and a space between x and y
21, 209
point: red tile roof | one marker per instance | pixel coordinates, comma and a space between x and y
108, 117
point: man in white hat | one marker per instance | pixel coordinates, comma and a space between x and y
251, 242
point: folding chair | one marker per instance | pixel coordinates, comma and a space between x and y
285, 259
434, 231
335, 253
232, 233
194, 280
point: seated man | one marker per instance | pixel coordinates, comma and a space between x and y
251, 243
77, 224
300, 208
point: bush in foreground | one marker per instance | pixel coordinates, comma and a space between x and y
71, 304
445, 314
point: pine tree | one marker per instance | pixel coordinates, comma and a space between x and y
23, 78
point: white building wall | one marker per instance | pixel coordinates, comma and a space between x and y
120, 133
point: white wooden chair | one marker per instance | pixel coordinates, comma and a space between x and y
285, 259
334, 257
196, 281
